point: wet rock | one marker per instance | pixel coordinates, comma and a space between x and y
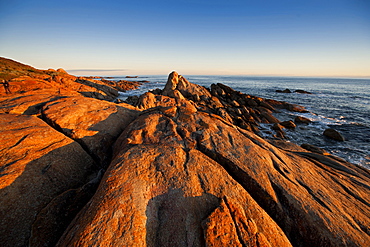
277, 126
288, 124
314, 149
280, 133
251, 102
294, 107
333, 134
299, 119
302, 91
284, 91
269, 117
267, 105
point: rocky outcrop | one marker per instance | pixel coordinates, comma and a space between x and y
54, 218
182, 175
37, 163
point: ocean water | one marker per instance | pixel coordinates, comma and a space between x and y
342, 104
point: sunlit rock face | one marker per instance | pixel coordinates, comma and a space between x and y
95, 124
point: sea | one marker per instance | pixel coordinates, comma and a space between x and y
338, 103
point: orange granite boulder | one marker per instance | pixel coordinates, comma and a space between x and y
94, 123
159, 195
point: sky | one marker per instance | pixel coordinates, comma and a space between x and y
194, 37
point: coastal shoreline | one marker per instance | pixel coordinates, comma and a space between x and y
183, 164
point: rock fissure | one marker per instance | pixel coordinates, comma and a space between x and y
81, 143
283, 173
314, 196
351, 193
241, 240
245, 180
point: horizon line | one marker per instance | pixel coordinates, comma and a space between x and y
206, 74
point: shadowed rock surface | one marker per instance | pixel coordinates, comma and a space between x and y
188, 168
37, 163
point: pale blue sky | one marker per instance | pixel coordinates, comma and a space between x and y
289, 37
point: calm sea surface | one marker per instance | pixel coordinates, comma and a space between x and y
342, 104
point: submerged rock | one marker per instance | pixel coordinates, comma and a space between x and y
284, 91
302, 91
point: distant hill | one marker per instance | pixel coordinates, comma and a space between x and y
10, 69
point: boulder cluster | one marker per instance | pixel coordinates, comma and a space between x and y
182, 166
243, 110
